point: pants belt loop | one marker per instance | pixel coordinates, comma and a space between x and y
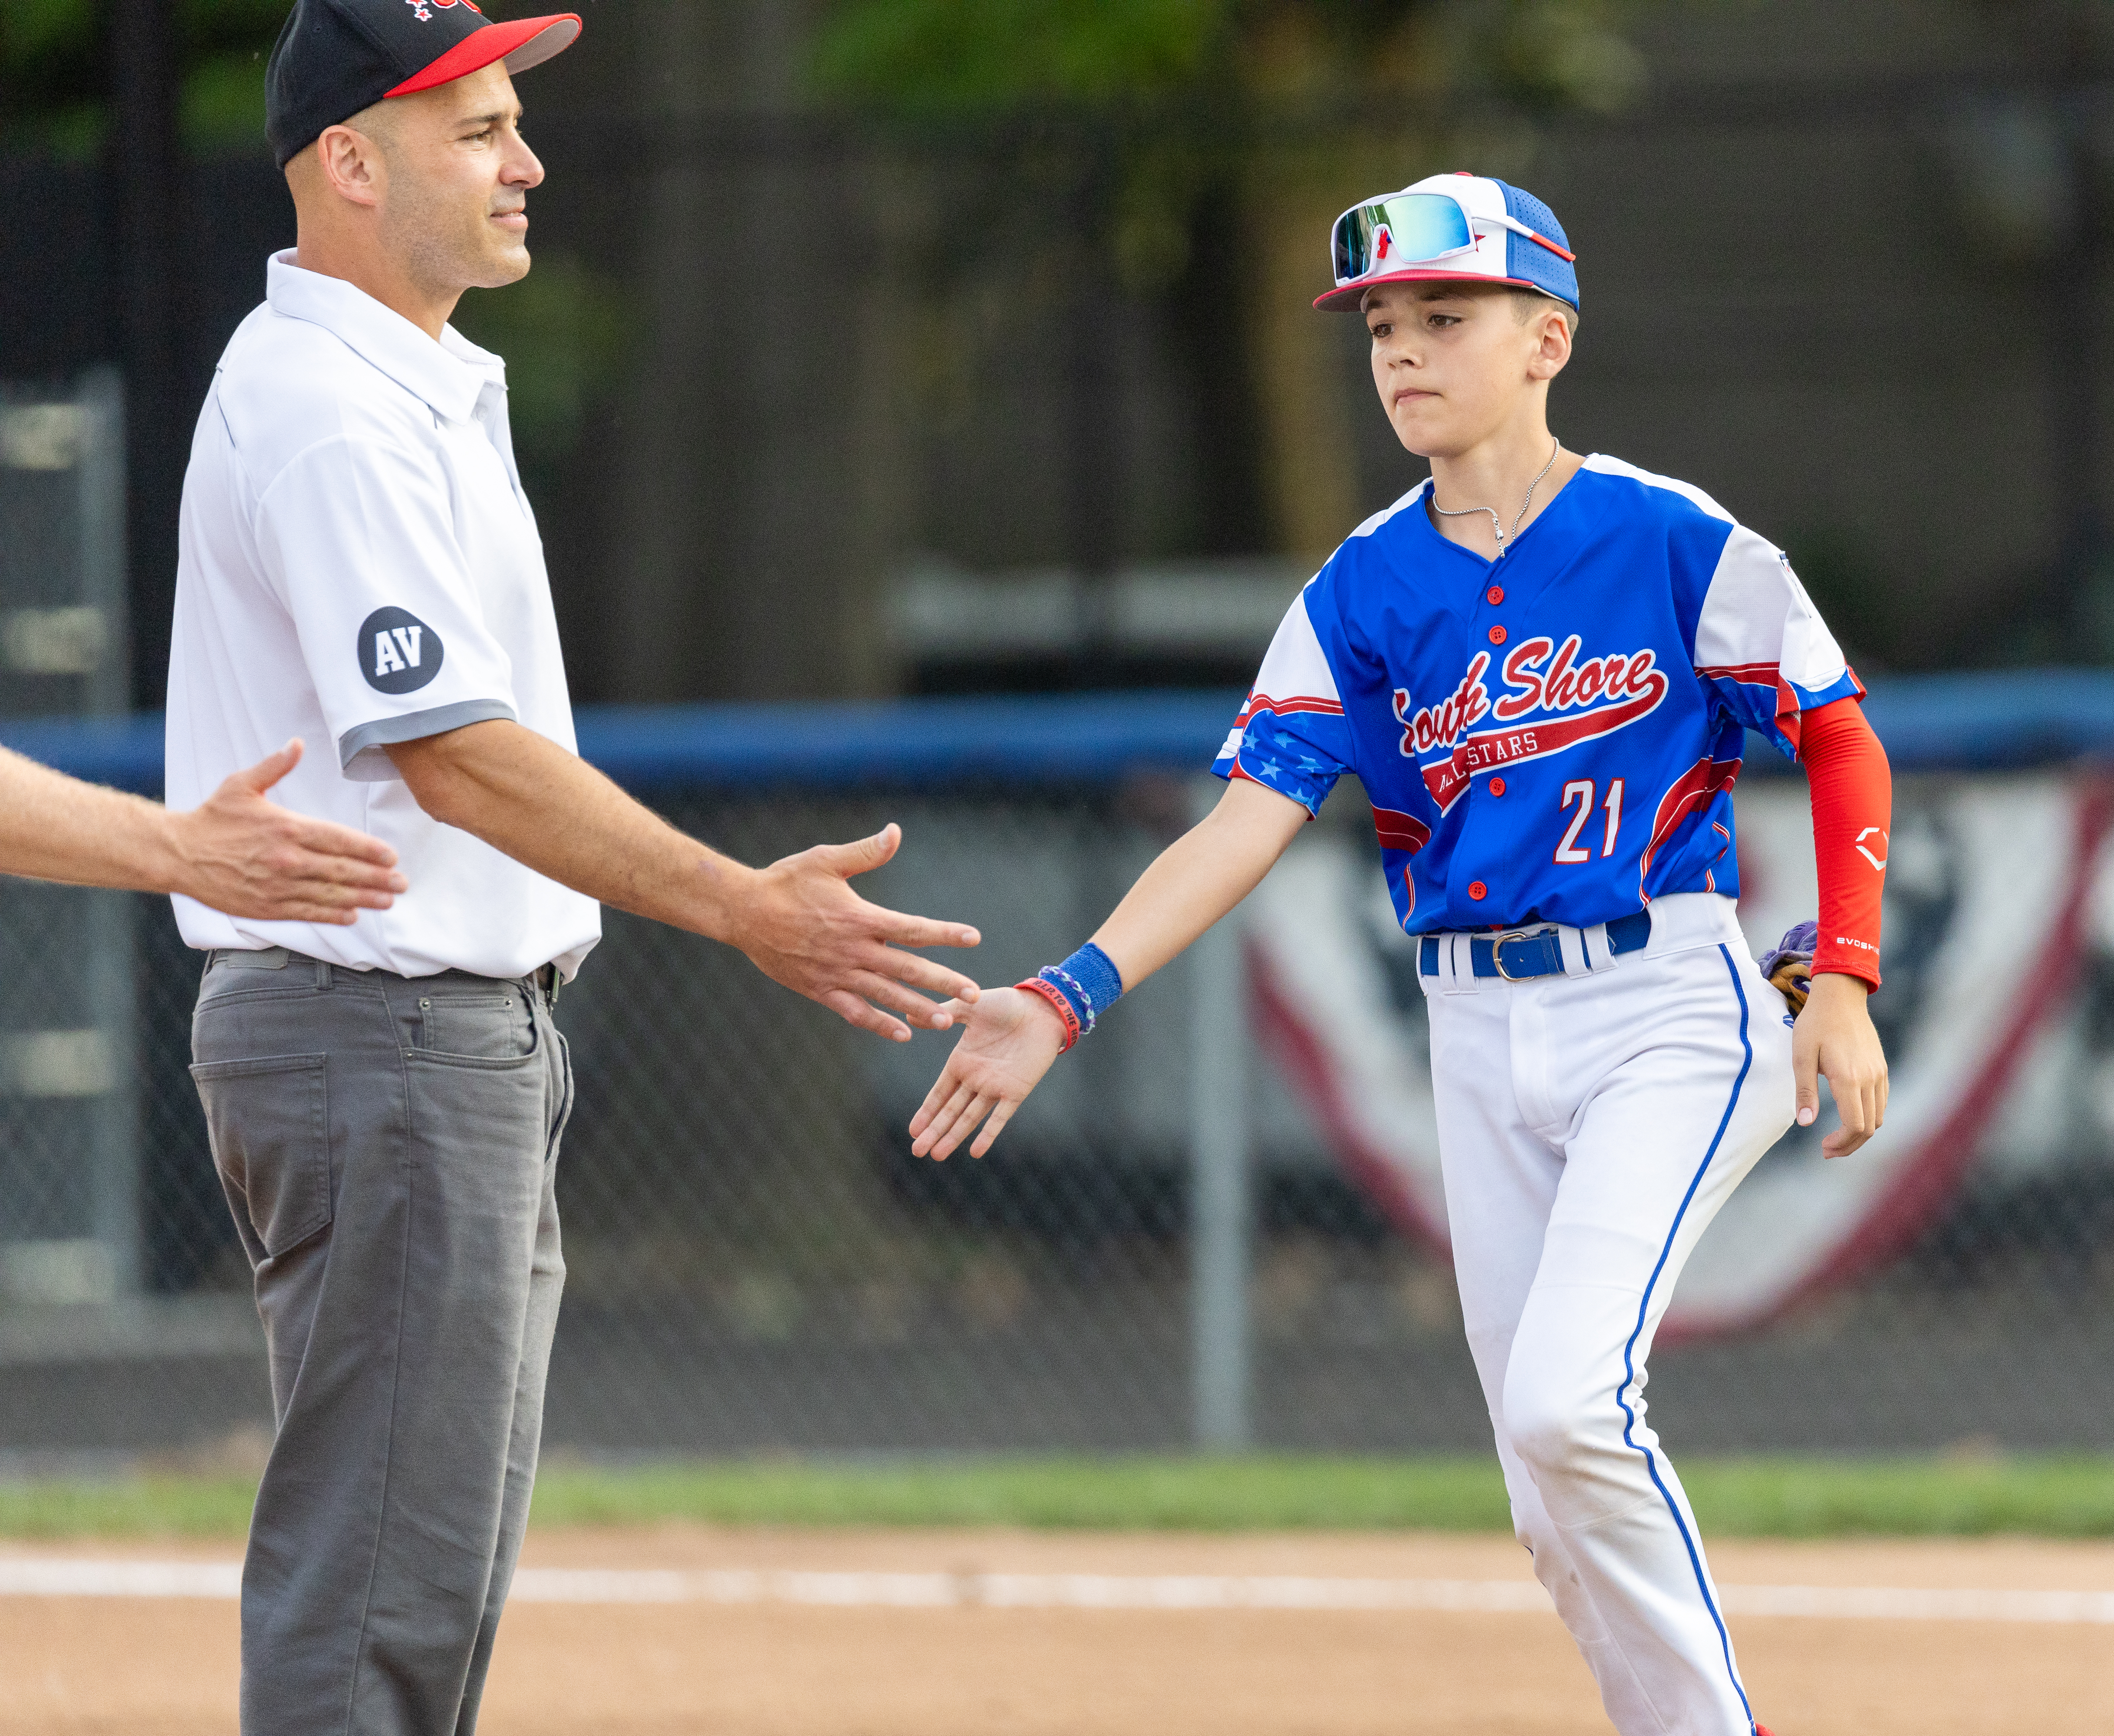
1459, 968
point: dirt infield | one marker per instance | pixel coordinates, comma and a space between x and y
165, 1665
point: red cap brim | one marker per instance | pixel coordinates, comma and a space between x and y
1346, 300
522, 42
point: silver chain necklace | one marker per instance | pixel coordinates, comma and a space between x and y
1497, 526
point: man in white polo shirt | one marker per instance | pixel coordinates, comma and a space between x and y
359, 564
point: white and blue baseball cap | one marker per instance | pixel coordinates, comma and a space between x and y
1469, 228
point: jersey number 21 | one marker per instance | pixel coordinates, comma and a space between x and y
1581, 792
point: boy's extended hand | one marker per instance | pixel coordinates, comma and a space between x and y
1834, 1036
1008, 1039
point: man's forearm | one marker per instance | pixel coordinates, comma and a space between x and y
551, 811
798, 920
56, 828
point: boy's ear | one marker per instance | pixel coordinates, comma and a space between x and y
1552, 350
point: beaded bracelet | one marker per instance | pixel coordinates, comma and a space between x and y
1081, 990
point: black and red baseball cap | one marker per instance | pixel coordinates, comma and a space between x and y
336, 57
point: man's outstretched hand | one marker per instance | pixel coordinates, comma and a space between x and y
1008, 1039
248, 857
802, 926
796, 920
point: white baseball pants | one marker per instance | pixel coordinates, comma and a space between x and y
1590, 1127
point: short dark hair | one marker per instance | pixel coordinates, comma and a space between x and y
1528, 303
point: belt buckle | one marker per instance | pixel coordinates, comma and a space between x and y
1497, 950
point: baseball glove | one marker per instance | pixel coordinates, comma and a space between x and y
1790, 967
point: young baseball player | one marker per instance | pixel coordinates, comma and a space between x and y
1539, 666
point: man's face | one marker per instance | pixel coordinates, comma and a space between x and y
457, 176
1453, 362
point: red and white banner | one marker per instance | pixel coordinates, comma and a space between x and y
1990, 883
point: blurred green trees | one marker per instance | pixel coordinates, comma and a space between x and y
943, 55
53, 76
1261, 119
1199, 134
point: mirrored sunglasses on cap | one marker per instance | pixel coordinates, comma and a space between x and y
1406, 229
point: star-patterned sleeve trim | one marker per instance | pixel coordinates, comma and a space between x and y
1277, 759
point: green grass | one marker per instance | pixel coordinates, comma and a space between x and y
127, 1507
1171, 1493
1755, 1497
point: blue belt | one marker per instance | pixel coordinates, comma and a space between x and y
1515, 957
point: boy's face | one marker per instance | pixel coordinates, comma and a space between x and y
1454, 363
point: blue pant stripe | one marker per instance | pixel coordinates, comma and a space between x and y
1644, 1307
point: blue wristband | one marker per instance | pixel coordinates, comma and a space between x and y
1088, 981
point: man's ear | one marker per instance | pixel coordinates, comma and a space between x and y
349, 163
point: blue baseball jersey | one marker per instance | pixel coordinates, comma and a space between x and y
1552, 736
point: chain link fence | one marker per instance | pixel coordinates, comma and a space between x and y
757, 1264
755, 1260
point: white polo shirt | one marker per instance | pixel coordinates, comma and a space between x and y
358, 566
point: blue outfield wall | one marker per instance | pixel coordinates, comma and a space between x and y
1929, 723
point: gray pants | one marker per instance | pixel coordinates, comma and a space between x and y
387, 1145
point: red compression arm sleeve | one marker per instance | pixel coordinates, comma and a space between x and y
1853, 806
